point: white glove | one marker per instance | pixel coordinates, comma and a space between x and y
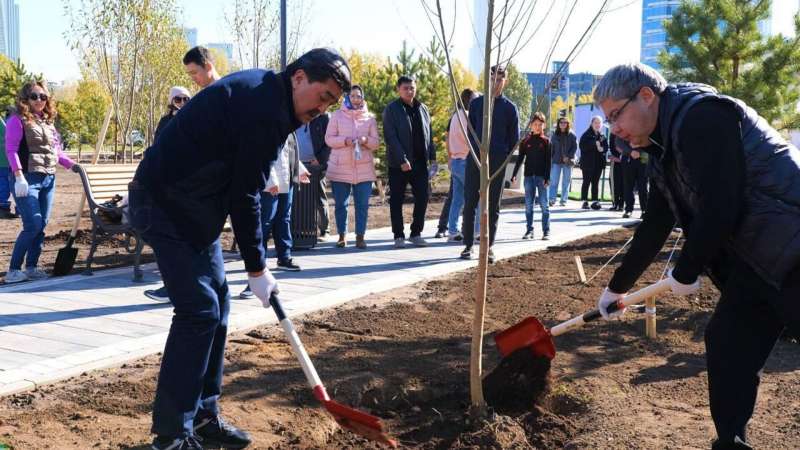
21, 186
263, 286
680, 288
606, 299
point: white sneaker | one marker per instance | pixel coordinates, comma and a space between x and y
34, 273
15, 276
418, 241
399, 243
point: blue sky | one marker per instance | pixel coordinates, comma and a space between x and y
375, 26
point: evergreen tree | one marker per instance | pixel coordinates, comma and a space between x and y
719, 44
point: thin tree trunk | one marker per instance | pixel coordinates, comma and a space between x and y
478, 408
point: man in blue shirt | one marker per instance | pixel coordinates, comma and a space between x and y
505, 134
208, 163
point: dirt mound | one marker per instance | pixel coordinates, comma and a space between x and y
518, 383
499, 433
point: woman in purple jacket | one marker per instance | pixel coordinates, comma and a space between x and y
33, 147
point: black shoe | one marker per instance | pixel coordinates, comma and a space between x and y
595, 205
287, 264
627, 215
214, 431
159, 295
585, 205
528, 235
440, 234
5, 213
546, 236
467, 252
168, 443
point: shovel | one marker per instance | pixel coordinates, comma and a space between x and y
531, 333
65, 259
356, 421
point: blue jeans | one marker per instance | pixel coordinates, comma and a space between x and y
532, 185
5, 186
341, 196
276, 214
190, 381
457, 171
561, 172
35, 212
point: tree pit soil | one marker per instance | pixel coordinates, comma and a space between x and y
403, 355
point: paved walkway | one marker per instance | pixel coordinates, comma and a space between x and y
57, 328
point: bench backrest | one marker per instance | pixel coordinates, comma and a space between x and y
107, 180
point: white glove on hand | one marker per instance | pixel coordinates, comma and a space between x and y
609, 298
21, 186
680, 288
263, 286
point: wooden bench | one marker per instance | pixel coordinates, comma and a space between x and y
100, 184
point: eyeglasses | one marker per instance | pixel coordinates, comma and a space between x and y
614, 115
180, 99
33, 97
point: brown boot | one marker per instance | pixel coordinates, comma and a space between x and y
342, 241
360, 242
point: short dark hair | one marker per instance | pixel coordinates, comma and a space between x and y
466, 97
538, 115
321, 65
405, 79
498, 68
198, 55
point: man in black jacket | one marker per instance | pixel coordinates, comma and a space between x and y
314, 154
409, 150
208, 163
733, 184
503, 139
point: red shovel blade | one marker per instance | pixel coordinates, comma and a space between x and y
359, 422
528, 333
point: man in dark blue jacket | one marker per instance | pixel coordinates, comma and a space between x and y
208, 163
505, 134
409, 150
732, 183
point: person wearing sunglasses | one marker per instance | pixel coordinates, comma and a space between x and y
33, 148
178, 96
732, 183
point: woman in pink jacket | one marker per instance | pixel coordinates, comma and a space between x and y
352, 136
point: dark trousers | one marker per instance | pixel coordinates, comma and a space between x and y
591, 178
635, 175
746, 323
619, 195
276, 221
190, 380
323, 217
417, 177
445, 215
472, 183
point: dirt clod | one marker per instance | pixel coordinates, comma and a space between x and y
518, 383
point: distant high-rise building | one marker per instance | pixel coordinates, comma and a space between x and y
224, 47
654, 37
191, 36
9, 29
480, 10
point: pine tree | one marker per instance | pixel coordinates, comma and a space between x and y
719, 44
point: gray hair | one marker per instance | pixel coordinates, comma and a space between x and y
625, 80
600, 118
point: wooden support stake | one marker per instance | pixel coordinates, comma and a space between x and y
650, 318
581, 273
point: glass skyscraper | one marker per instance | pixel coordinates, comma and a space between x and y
654, 38
9, 29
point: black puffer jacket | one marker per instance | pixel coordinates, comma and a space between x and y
592, 155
